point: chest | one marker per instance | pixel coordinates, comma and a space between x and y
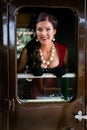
50, 60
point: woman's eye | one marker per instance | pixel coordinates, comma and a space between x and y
39, 29
48, 29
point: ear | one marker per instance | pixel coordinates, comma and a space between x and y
55, 31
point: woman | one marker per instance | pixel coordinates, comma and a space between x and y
43, 54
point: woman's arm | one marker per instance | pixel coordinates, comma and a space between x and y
22, 61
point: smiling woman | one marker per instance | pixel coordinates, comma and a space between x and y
43, 62
43, 52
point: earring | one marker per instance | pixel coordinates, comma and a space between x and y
36, 40
53, 39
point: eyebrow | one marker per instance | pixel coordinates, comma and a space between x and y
45, 26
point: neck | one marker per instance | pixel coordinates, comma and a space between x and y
47, 61
46, 47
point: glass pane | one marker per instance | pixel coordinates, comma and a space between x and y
43, 85
46, 89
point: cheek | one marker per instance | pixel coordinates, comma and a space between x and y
37, 34
52, 34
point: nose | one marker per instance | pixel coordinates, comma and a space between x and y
43, 32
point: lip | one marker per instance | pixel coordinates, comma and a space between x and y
43, 38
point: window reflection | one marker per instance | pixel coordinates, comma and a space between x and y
52, 88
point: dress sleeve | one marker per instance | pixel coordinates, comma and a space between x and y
61, 51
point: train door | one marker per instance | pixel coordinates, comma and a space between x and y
62, 106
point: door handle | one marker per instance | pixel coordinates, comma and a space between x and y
79, 116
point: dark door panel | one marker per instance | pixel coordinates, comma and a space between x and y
27, 114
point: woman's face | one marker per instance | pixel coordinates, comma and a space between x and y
45, 32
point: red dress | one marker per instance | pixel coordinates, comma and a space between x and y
61, 51
47, 85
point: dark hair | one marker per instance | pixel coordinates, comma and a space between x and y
45, 16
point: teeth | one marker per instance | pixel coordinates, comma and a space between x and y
43, 38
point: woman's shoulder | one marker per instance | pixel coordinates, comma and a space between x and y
60, 45
62, 48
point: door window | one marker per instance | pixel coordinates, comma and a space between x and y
47, 87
